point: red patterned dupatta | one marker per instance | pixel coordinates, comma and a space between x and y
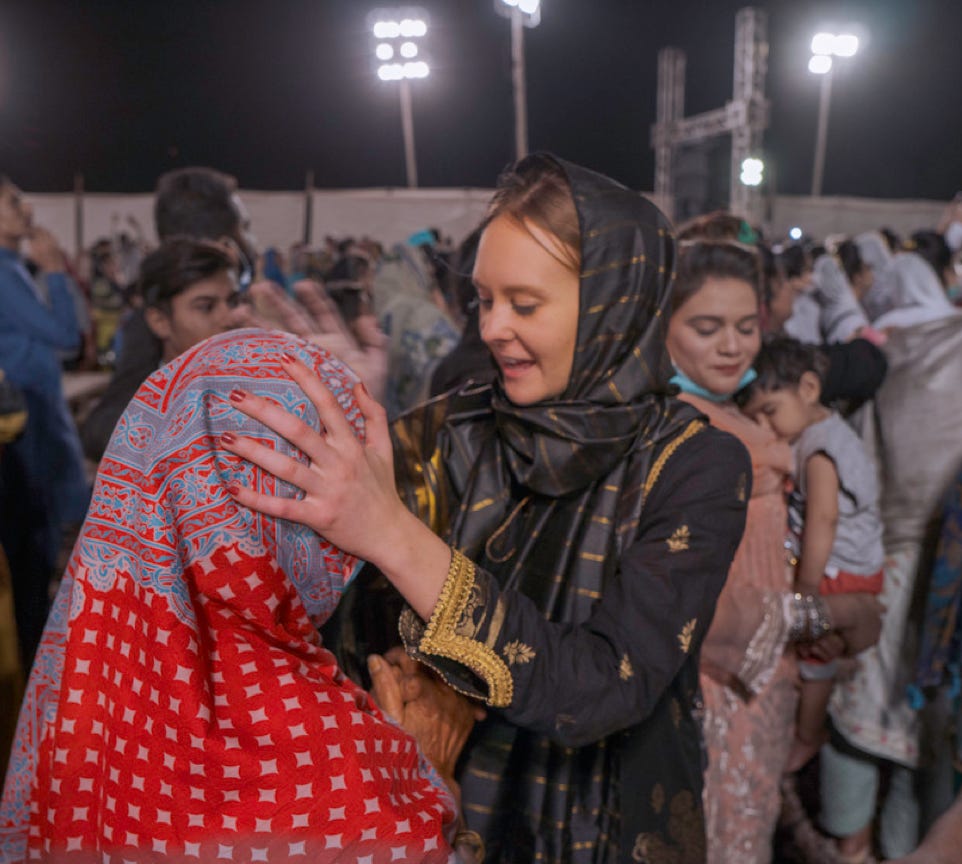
182, 707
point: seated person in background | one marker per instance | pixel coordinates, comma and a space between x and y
833, 513
189, 291
183, 705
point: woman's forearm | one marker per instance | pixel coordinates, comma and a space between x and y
414, 559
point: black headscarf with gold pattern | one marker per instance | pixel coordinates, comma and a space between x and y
547, 498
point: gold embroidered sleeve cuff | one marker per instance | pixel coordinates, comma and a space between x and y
452, 636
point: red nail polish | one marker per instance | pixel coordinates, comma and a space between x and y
287, 358
233, 489
363, 389
228, 438
237, 395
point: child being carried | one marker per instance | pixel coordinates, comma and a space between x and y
835, 530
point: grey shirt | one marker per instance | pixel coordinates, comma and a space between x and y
858, 534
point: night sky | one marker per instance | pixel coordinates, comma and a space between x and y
124, 90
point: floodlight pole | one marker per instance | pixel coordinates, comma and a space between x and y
821, 135
407, 126
517, 76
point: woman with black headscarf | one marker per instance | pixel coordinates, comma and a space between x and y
576, 525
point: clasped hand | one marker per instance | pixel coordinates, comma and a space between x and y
439, 718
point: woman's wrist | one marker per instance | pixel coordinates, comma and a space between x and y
414, 559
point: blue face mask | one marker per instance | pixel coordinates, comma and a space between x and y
686, 385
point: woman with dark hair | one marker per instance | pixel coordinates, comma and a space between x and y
561, 535
931, 246
788, 275
747, 672
857, 270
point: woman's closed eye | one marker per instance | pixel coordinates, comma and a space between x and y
524, 308
706, 329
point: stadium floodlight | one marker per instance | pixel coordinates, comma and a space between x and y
397, 33
825, 46
753, 171
523, 13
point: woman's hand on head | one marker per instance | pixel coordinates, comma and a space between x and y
349, 493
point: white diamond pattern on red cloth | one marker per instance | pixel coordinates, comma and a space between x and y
129, 774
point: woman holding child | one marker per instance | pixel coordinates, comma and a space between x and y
747, 676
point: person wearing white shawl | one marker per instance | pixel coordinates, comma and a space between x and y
917, 295
876, 254
916, 419
831, 313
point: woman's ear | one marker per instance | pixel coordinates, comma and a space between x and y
810, 387
159, 323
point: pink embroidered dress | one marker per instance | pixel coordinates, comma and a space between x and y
748, 681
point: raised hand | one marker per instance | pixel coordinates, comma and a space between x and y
362, 346
349, 493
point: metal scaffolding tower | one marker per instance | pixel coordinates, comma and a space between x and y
744, 116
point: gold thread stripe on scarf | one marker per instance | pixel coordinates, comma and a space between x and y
484, 775
543, 447
488, 547
614, 390
480, 505
543, 781
587, 592
613, 265
611, 226
591, 556
621, 301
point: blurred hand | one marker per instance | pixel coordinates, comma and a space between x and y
312, 315
44, 251
362, 346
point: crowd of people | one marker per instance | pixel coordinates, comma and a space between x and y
593, 539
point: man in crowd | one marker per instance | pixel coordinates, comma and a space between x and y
43, 488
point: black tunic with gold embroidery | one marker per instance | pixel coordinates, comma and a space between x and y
596, 532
